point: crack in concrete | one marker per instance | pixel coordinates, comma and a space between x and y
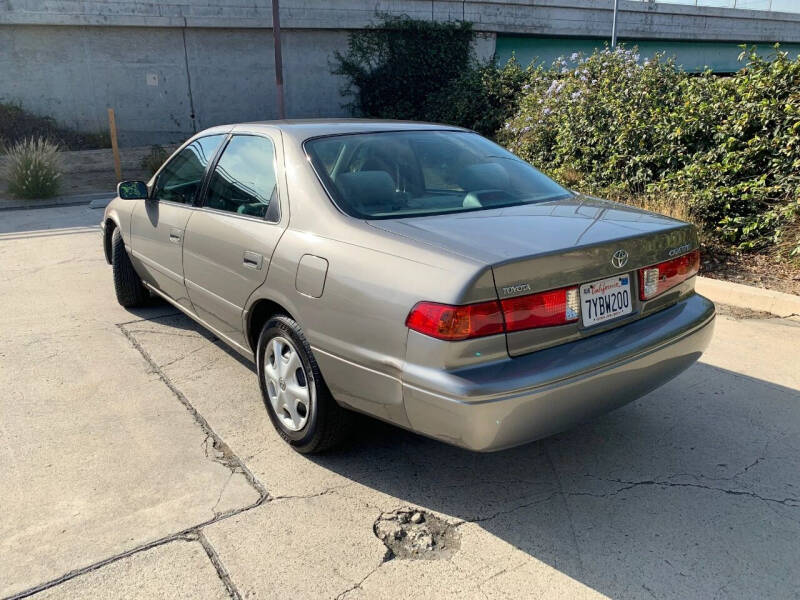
182, 356
221, 492
496, 575
223, 454
750, 466
231, 460
201, 371
165, 333
506, 511
222, 572
190, 534
386, 558
324, 492
566, 506
174, 313
628, 485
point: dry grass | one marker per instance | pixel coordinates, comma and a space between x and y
789, 244
33, 168
570, 177
671, 206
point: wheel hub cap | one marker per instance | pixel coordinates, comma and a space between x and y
287, 384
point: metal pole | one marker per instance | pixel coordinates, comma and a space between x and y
614, 26
276, 36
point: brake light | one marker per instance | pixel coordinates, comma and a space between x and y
659, 278
452, 323
545, 309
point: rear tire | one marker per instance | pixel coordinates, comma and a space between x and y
127, 284
296, 397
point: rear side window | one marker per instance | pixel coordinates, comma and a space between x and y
386, 175
179, 181
244, 180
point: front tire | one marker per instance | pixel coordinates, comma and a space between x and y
298, 402
127, 284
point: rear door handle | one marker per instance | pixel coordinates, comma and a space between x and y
252, 260
175, 235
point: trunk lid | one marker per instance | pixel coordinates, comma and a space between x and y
538, 247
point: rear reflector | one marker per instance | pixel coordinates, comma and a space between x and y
659, 278
445, 322
452, 323
545, 309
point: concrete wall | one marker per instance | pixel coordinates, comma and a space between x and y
583, 18
171, 67
157, 78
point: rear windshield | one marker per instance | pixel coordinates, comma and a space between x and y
413, 173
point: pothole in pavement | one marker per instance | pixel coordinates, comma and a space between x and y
416, 534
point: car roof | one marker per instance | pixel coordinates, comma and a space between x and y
303, 129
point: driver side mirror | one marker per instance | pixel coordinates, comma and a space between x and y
132, 190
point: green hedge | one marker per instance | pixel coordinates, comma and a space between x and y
728, 148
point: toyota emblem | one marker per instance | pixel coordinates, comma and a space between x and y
619, 259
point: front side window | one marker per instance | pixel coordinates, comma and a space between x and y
244, 180
179, 181
414, 173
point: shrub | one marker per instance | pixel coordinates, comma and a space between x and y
33, 168
728, 148
744, 179
402, 68
482, 97
152, 161
600, 118
394, 66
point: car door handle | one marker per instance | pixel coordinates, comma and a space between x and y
175, 235
252, 260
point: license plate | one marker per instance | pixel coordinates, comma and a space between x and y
606, 299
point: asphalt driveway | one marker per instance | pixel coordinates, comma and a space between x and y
136, 461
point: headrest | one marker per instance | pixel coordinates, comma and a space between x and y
483, 176
369, 190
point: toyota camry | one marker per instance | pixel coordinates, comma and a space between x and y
420, 274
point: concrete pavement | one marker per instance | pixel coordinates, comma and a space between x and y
136, 460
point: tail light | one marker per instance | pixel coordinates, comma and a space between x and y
659, 278
452, 323
446, 322
545, 309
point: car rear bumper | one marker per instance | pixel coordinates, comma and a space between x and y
518, 400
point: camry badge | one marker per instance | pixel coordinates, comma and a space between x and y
619, 259
680, 250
